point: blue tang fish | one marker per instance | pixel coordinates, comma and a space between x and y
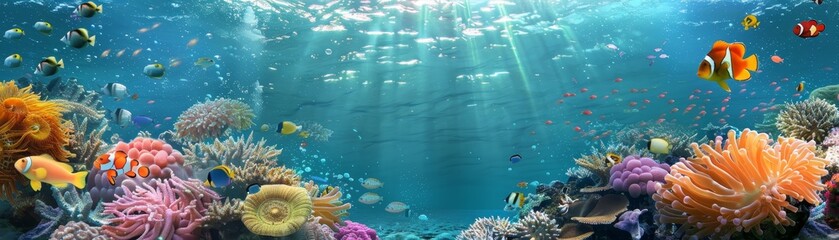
254, 188
141, 121
515, 158
219, 177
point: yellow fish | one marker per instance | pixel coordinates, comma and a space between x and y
750, 22
304, 134
286, 128
613, 159
44, 168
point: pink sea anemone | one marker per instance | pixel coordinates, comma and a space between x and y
168, 209
163, 162
212, 118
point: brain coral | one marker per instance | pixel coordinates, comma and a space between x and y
735, 186
807, 120
212, 118
28, 126
163, 162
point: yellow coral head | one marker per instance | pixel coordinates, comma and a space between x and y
15, 106
36, 127
277, 210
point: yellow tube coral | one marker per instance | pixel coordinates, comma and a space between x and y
736, 187
277, 210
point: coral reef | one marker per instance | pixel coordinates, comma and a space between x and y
736, 186
213, 118
277, 210
808, 120
770, 117
606, 209
355, 231
712, 131
165, 208
231, 152
597, 163
679, 138
578, 172
259, 173
29, 127
628, 221
77, 231
490, 228
638, 175
50, 217
827, 93
163, 162
85, 145
220, 213
312, 230
75, 107
532, 200
327, 206
78, 207
71, 91
538, 225
832, 138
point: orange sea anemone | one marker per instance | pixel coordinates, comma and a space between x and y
28, 126
737, 186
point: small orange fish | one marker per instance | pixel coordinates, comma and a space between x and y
136, 52
192, 42
105, 53
522, 184
143, 30
119, 54
135, 97
155, 25
174, 63
726, 61
45, 169
118, 163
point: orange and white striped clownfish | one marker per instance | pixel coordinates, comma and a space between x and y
726, 61
118, 163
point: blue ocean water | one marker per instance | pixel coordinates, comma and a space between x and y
432, 97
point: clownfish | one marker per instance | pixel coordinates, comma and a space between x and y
117, 163
725, 61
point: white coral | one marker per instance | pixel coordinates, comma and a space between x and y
538, 225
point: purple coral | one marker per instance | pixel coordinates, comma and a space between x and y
170, 209
638, 175
355, 231
629, 222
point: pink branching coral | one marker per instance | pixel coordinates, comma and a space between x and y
212, 118
163, 162
169, 209
738, 185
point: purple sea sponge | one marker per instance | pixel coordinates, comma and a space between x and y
355, 231
638, 175
629, 222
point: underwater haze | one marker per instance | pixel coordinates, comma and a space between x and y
442, 111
